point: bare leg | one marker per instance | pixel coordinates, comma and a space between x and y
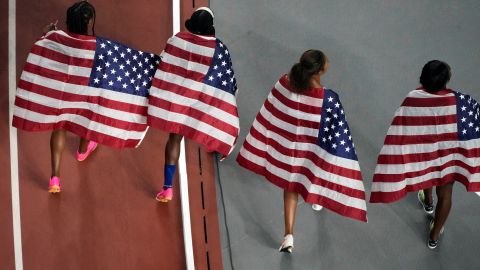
444, 194
428, 196
82, 145
57, 144
172, 149
290, 201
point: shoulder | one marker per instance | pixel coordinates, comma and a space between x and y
330, 94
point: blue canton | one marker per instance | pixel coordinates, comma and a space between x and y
122, 69
220, 74
468, 117
334, 135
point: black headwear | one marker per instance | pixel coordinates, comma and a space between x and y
201, 22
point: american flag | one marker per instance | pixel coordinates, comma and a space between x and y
434, 139
91, 86
193, 92
302, 143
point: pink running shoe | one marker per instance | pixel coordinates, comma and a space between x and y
54, 186
165, 195
91, 146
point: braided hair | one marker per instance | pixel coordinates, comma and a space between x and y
311, 62
78, 16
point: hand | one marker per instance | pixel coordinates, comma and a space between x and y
50, 27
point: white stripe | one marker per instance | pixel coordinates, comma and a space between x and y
57, 66
293, 129
339, 161
293, 112
421, 130
63, 33
302, 179
428, 147
60, 104
66, 50
12, 81
187, 227
426, 111
194, 123
199, 105
188, 65
192, 85
419, 166
396, 186
307, 100
418, 93
306, 163
83, 89
82, 121
191, 47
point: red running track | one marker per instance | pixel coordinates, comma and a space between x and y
106, 216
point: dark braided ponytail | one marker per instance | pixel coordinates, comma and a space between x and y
311, 62
78, 16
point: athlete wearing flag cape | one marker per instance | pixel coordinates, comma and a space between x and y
193, 94
301, 142
433, 141
91, 86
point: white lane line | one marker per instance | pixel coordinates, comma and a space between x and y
478, 193
182, 172
12, 83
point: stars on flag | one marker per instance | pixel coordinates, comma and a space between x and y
131, 70
334, 135
220, 74
468, 112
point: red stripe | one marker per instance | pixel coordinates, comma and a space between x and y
296, 105
62, 58
95, 100
312, 92
197, 95
288, 135
188, 56
198, 40
388, 197
180, 71
89, 114
55, 75
429, 102
395, 178
312, 156
423, 157
290, 119
424, 120
328, 203
84, 44
76, 129
194, 113
419, 139
211, 143
304, 171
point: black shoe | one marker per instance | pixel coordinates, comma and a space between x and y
432, 244
428, 208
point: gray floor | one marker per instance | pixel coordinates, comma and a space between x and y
376, 51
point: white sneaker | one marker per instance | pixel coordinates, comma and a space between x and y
287, 244
317, 207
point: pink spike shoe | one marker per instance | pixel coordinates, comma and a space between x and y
165, 195
54, 186
91, 146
